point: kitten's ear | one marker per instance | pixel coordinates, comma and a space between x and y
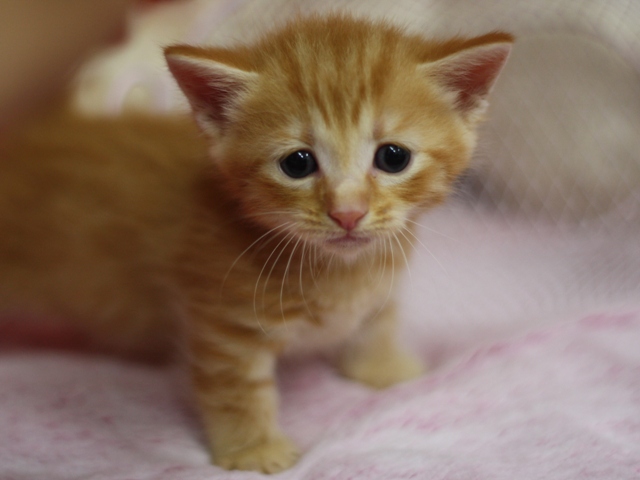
471, 72
212, 86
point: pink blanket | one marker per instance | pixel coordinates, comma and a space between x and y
533, 332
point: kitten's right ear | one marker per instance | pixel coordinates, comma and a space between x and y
212, 86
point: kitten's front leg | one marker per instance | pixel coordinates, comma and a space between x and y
236, 391
374, 357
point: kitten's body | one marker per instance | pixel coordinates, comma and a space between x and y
126, 227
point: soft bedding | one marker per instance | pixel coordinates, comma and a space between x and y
558, 404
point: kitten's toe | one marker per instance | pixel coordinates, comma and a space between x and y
383, 371
271, 456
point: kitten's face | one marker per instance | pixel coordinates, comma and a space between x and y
345, 177
339, 131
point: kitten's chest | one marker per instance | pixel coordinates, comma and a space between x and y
336, 311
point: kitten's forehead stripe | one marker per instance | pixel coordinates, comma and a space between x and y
334, 77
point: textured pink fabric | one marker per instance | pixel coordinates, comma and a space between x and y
563, 403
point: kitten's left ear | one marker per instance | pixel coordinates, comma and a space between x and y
211, 81
471, 72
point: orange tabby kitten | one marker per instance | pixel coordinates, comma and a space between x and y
278, 231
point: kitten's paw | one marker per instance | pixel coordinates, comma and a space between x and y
382, 371
271, 456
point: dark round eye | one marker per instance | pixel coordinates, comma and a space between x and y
299, 164
392, 158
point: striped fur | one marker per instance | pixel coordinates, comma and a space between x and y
127, 226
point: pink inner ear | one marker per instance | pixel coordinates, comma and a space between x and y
207, 90
473, 74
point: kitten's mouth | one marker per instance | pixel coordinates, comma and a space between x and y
349, 241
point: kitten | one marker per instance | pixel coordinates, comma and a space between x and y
278, 231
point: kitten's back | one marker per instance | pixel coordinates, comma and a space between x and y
90, 210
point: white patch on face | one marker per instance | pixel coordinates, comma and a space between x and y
346, 165
344, 155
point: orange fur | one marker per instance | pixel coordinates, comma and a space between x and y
126, 226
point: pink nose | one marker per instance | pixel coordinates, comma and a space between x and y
347, 219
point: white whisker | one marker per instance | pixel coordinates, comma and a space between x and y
271, 231
372, 261
313, 263
273, 266
384, 262
406, 260
330, 262
427, 249
255, 290
393, 270
432, 230
401, 232
284, 276
393, 267
304, 248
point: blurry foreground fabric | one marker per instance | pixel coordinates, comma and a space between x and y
558, 404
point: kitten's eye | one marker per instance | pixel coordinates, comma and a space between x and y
299, 164
392, 158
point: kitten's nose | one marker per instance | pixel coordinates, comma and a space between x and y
347, 219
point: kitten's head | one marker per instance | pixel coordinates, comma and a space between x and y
340, 130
